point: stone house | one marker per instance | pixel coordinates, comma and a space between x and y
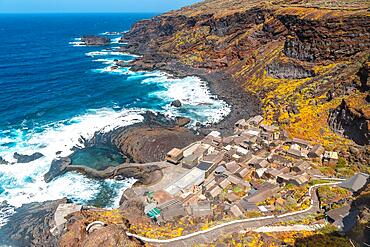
242, 172
316, 152
271, 173
190, 161
239, 182
343, 218
257, 162
232, 167
270, 133
294, 152
262, 193
173, 211
214, 192
241, 124
356, 183
302, 143
201, 209
236, 211
298, 180
224, 183
259, 173
255, 121
330, 158
208, 167
174, 156
247, 206
301, 166
232, 197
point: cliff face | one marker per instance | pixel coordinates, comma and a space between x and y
301, 58
351, 121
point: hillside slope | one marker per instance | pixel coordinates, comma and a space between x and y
307, 61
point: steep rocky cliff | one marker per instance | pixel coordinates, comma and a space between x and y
301, 58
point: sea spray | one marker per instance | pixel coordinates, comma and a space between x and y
24, 183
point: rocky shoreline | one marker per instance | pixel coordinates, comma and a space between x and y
243, 104
141, 143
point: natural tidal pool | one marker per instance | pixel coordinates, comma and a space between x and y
98, 158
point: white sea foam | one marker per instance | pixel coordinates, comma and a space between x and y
114, 33
114, 70
116, 40
23, 183
197, 101
77, 42
109, 61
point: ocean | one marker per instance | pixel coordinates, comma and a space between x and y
53, 91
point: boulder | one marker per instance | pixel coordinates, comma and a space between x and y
3, 162
121, 63
21, 158
58, 167
176, 103
182, 121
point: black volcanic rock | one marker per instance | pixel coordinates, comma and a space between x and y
348, 122
31, 225
176, 103
288, 71
3, 162
91, 40
57, 168
27, 158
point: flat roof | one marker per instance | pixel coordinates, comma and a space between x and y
205, 165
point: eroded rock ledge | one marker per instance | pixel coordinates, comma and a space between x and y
145, 142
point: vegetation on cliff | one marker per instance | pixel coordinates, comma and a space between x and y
301, 58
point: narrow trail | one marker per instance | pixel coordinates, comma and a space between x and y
252, 224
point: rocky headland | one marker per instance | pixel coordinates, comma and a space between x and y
287, 55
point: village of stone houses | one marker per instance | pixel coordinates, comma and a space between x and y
257, 173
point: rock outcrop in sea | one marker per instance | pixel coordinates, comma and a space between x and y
93, 40
22, 158
3, 161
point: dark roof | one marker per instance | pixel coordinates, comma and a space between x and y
345, 217
204, 165
339, 213
356, 182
